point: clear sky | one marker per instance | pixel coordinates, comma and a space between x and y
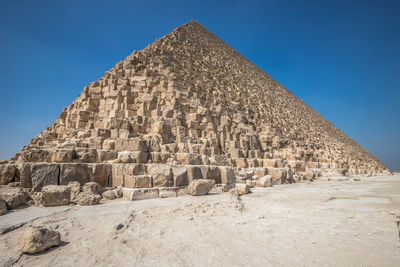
340, 57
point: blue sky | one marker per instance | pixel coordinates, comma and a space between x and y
340, 57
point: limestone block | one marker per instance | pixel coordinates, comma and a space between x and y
70, 172
161, 175
265, 181
227, 175
278, 175
193, 172
43, 174
23, 171
180, 176
141, 194
167, 192
100, 173
189, 158
260, 172
200, 187
241, 162
137, 181
55, 195
13, 196
7, 173
133, 169
243, 188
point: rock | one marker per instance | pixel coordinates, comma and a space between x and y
38, 239
264, 181
75, 189
92, 187
43, 174
243, 188
3, 207
162, 175
13, 196
23, 171
200, 187
87, 199
109, 194
180, 176
55, 195
250, 183
7, 173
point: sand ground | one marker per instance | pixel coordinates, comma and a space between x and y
342, 223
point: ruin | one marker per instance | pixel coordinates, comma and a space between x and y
187, 106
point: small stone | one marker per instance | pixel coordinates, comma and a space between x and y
38, 239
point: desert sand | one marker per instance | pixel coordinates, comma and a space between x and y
324, 223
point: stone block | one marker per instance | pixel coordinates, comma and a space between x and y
137, 181
161, 175
43, 174
180, 176
227, 175
70, 172
55, 195
7, 173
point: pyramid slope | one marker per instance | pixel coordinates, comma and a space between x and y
191, 99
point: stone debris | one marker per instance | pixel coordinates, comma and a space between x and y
200, 187
38, 239
187, 107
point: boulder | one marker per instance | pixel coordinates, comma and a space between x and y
3, 207
13, 196
87, 199
92, 187
161, 174
109, 194
265, 181
38, 239
180, 176
43, 174
55, 195
243, 188
200, 187
7, 173
75, 189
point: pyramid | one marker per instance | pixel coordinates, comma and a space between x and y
187, 106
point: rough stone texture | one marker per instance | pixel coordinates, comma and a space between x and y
186, 99
87, 198
92, 187
13, 196
38, 239
265, 181
75, 189
43, 174
162, 175
200, 187
7, 173
55, 195
3, 207
180, 176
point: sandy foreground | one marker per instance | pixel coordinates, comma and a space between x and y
341, 223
